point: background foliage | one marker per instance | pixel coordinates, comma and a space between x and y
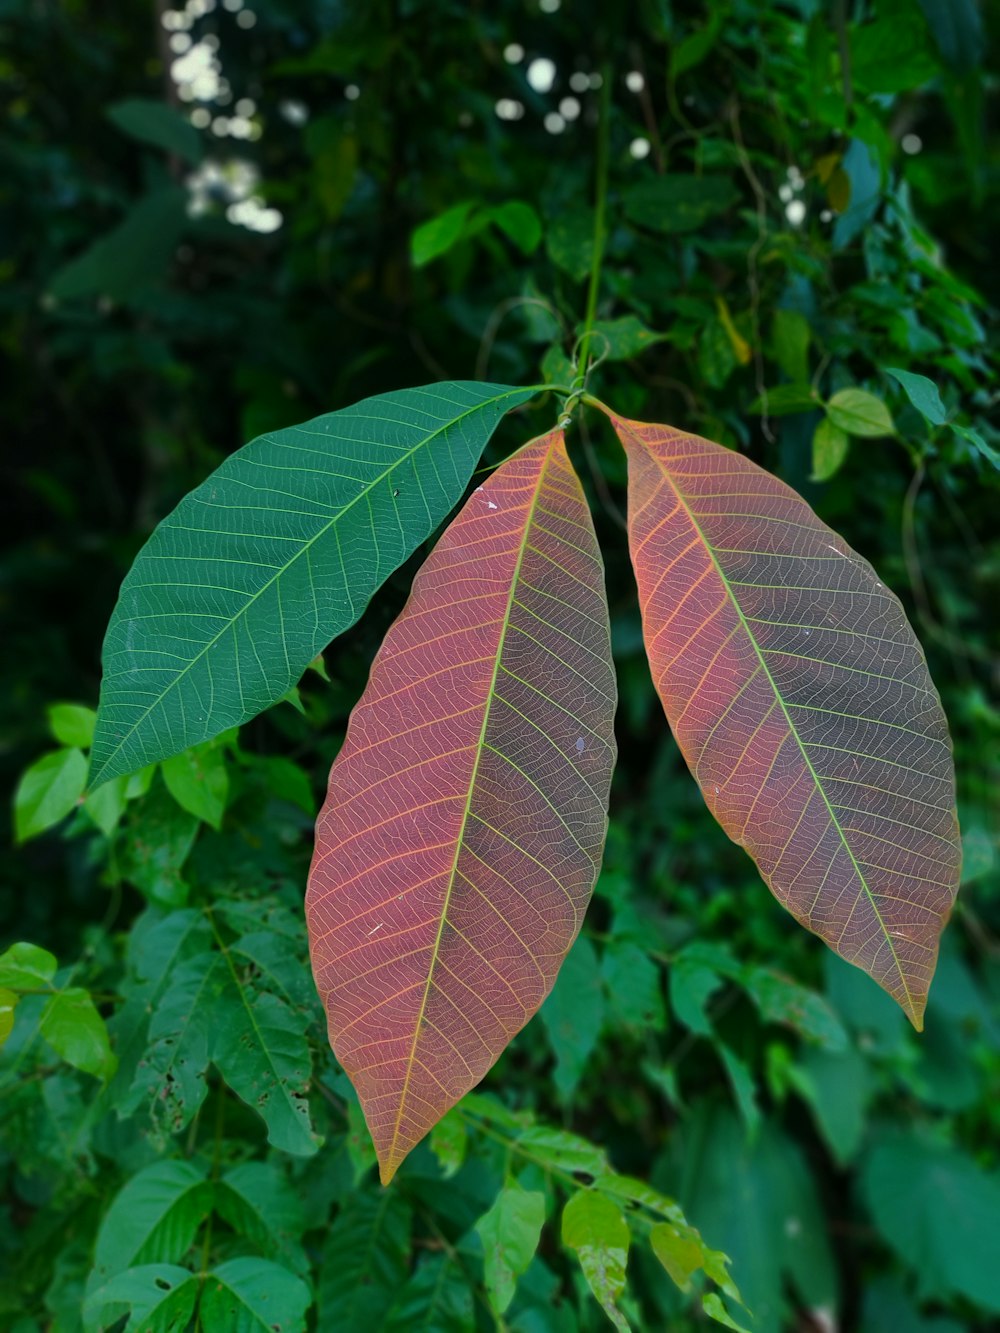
801, 205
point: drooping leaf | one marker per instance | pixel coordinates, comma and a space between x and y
254, 1296
279, 550
801, 701
465, 817
366, 1258
509, 1232
594, 1227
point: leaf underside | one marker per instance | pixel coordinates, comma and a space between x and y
274, 554
466, 813
801, 701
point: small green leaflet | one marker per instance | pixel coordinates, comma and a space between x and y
860, 413
510, 1232
277, 552
48, 791
922, 393
594, 1227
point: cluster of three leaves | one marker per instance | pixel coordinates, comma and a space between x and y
466, 813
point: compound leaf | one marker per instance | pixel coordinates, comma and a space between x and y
801, 701
466, 813
279, 550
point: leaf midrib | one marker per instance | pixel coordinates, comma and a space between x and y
282, 570
460, 836
793, 731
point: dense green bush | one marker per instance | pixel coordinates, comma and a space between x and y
800, 200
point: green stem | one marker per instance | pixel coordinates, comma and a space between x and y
597, 257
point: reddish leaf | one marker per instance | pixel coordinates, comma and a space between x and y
801, 701
466, 812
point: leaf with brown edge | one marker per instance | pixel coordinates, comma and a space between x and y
801, 701
466, 812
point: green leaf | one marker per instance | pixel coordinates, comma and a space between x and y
792, 334
695, 977
957, 29
560, 1150
781, 1000
510, 1232
75, 1030
437, 1299
829, 449
449, 1141
72, 724
153, 1219
170, 1076
260, 1047
633, 986
159, 1298
436, 237
573, 1016
198, 781
569, 241
8, 1004
758, 1203
158, 124
678, 1252
278, 551
860, 413
741, 1080
107, 805
594, 1227
366, 1258
678, 203
27, 967
838, 1087
622, 339
132, 257
939, 1211
786, 400
259, 1202
254, 1296
693, 49
48, 791
712, 1305
157, 945
991, 455
288, 782
158, 841
922, 393
519, 223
